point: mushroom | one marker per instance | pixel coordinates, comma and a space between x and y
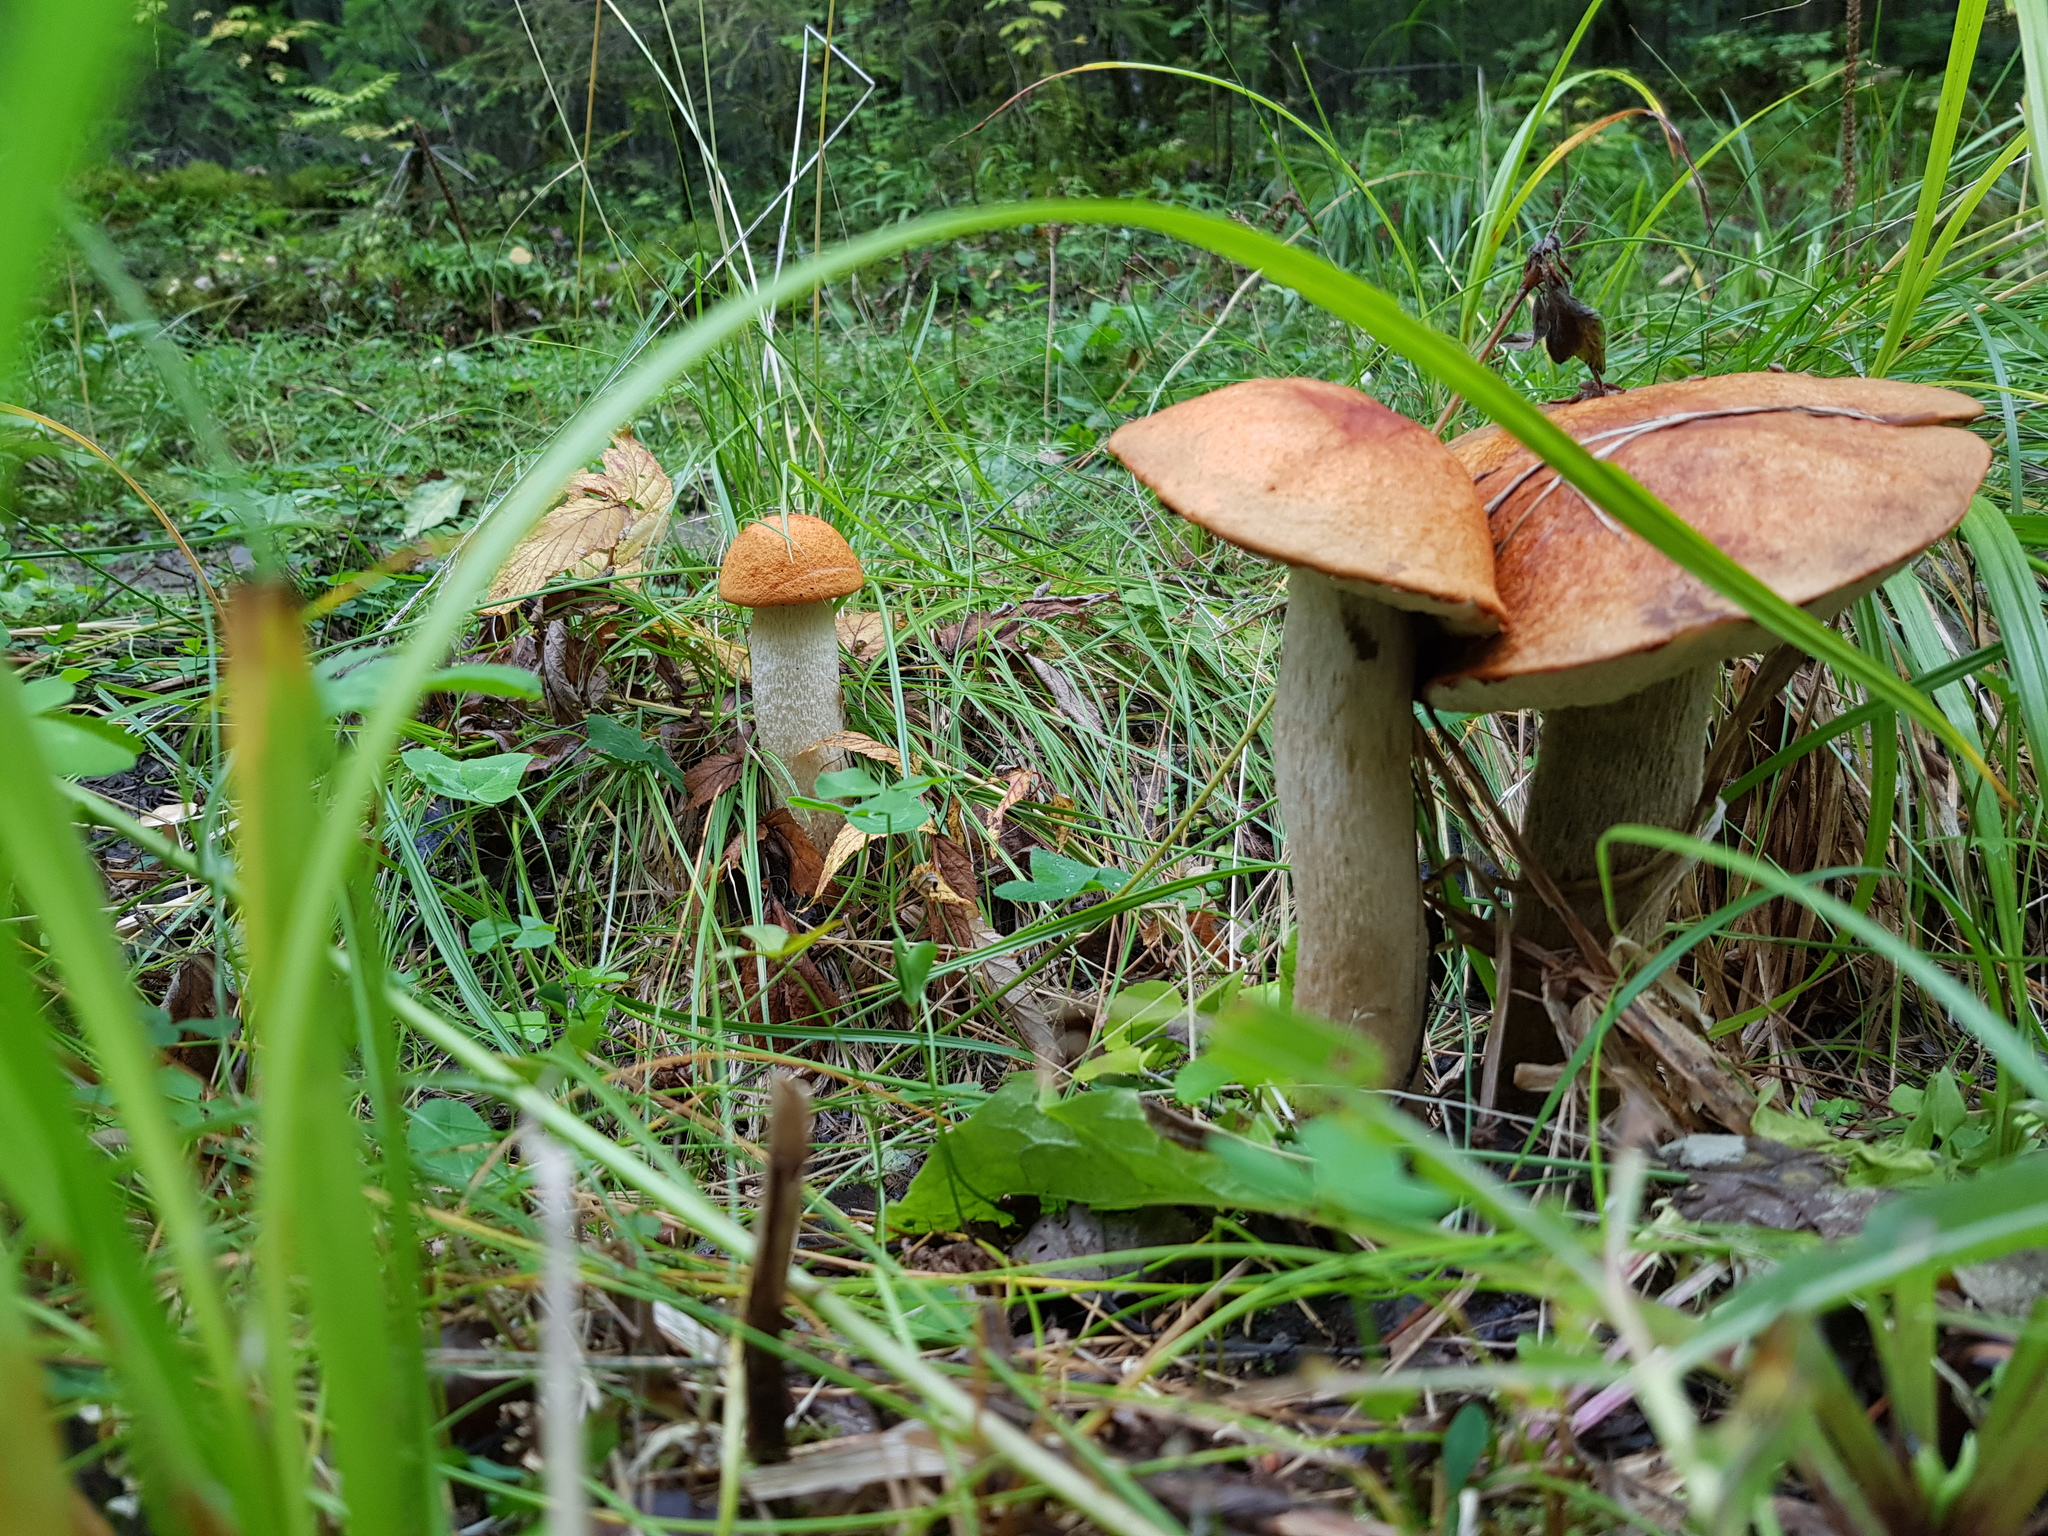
788, 569
1821, 487
1377, 522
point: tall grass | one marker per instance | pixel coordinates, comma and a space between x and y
265, 1291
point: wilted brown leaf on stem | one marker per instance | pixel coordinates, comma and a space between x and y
605, 522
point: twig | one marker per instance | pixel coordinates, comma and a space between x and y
789, 1145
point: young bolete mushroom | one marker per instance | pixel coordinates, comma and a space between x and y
1377, 523
788, 569
1821, 487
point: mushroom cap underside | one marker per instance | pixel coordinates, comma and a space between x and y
1326, 478
1821, 507
788, 559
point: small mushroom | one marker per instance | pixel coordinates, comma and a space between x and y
1821, 487
1377, 524
788, 569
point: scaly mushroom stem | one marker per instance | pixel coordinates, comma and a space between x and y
1342, 734
1639, 759
793, 653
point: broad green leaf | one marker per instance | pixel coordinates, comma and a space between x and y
523, 932
432, 503
81, 747
1055, 877
489, 678
481, 780
449, 1141
622, 745
913, 968
853, 783
1095, 1147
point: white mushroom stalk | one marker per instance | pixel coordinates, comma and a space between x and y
1380, 527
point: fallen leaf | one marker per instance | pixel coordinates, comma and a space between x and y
862, 634
431, 504
1072, 702
856, 742
709, 777
604, 522
1021, 781
908, 1451
849, 842
806, 865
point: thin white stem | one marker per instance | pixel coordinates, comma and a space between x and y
561, 1364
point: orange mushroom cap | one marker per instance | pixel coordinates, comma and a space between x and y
1821, 487
1321, 476
786, 560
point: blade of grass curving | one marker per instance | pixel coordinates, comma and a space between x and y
2009, 582
2033, 20
1493, 220
49, 865
1955, 90
1923, 277
335, 846
34, 1493
63, 1188
60, 67
2011, 1049
316, 1225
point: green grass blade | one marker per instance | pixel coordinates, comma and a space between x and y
60, 67
2014, 593
34, 1493
316, 1223
2033, 19
1495, 217
57, 884
62, 1186
1955, 89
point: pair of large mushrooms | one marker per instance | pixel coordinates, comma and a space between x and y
1398, 546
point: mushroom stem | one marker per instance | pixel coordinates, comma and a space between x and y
793, 654
1639, 759
1342, 734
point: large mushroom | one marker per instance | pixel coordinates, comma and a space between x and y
1378, 524
789, 569
1821, 487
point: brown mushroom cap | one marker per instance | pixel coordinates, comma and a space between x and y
789, 559
1318, 475
1821, 487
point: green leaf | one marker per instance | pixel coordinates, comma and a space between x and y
853, 783
488, 678
449, 1141
1096, 1147
894, 810
46, 694
913, 968
81, 747
432, 503
769, 939
1465, 1441
526, 932
482, 780
1055, 877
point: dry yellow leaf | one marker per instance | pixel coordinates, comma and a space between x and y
861, 634
605, 522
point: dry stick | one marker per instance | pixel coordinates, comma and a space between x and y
789, 1145
589, 113
419, 136
1500, 327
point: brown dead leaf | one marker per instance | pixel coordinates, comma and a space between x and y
1072, 702
1006, 622
709, 777
806, 865
849, 842
1021, 781
864, 746
605, 522
862, 634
